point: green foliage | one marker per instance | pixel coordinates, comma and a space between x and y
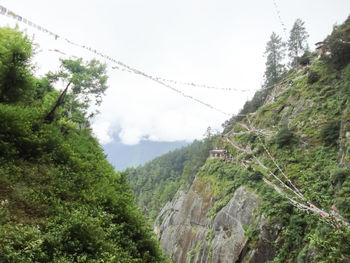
60, 200
23, 243
338, 43
285, 137
330, 132
225, 178
16, 132
87, 80
15, 77
252, 232
323, 240
218, 206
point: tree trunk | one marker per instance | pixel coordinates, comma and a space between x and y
50, 116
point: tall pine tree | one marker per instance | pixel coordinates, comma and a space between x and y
297, 43
274, 55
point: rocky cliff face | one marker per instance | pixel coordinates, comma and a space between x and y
188, 235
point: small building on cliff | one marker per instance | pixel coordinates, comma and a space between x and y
220, 154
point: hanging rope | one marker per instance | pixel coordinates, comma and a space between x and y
307, 206
275, 163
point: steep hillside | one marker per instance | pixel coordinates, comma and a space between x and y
60, 200
285, 195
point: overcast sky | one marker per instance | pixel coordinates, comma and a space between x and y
218, 43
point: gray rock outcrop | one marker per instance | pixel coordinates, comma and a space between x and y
188, 235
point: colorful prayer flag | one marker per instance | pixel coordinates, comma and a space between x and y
2, 10
10, 13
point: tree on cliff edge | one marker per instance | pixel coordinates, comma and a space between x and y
274, 55
297, 43
86, 81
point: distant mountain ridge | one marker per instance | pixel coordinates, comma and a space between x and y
123, 156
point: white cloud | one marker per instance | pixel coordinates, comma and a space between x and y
103, 132
215, 43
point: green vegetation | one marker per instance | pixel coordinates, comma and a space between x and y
60, 200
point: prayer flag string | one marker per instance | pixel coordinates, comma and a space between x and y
122, 66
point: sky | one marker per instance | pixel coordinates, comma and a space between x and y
216, 43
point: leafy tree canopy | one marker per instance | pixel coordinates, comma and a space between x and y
87, 81
15, 72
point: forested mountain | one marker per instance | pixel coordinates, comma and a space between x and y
60, 200
285, 194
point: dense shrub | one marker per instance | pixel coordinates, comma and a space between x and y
304, 59
330, 132
285, 137
312, 77
339, 176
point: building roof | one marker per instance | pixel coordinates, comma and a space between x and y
218, 151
